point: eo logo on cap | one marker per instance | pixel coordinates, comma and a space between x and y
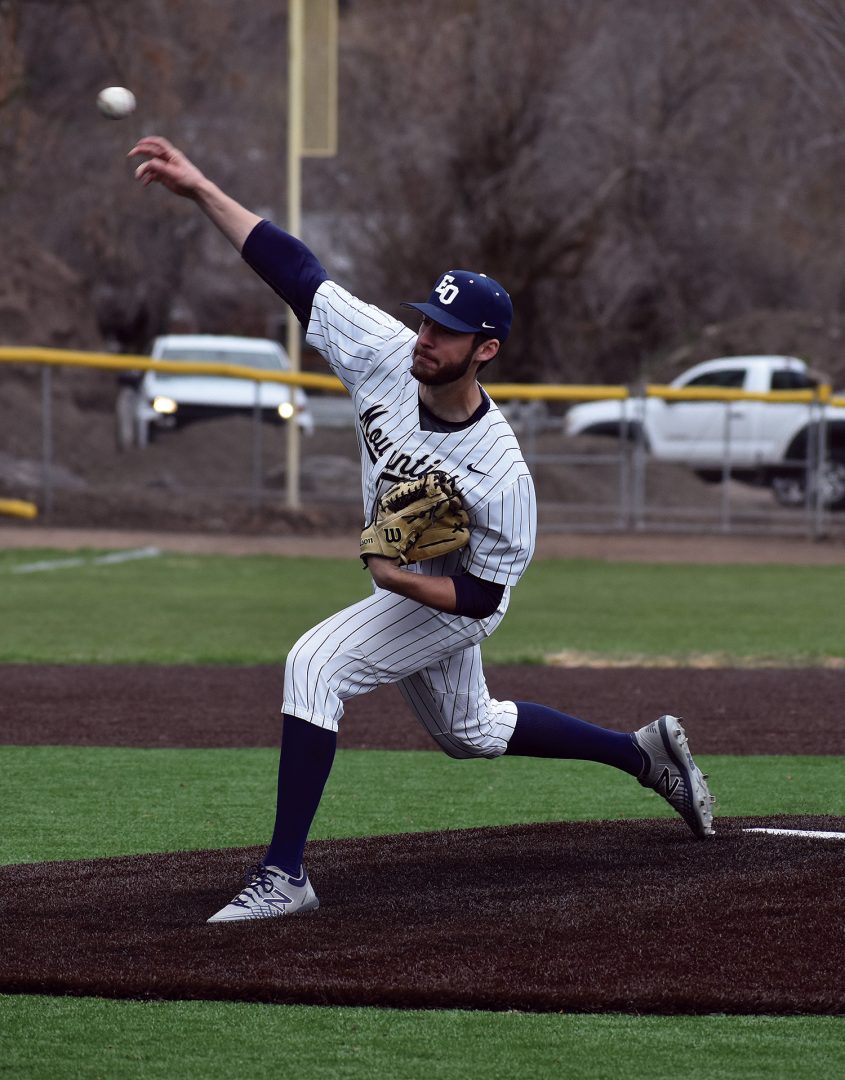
447, 290
469, 303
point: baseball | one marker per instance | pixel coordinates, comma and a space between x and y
115, 102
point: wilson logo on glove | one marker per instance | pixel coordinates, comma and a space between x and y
417, 520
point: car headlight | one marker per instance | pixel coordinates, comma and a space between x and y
285, 410
165, 405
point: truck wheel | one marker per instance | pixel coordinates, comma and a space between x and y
832, 482
126, 430
792, 490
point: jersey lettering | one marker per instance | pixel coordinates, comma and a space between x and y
446, 290
401, 467
375, 440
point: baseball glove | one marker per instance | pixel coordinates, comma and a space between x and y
417, 520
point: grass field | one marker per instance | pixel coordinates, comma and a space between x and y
195, 609
81, 802
97, 801
45, 1038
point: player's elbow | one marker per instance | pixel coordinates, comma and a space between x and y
476, 598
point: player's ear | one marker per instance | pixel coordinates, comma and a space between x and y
487, 350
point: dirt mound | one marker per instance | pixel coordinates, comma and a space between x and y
731, 711
210, 477
630, 917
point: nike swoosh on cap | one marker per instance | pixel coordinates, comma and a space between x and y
487, 326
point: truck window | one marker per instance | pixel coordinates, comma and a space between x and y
731, 378
793, 380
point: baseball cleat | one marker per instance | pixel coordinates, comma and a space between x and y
270, 892
668, 769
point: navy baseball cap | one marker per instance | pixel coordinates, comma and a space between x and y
469, 303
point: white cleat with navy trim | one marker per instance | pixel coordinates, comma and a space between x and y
668, 769
270, 892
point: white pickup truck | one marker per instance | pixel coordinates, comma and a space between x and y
757, 442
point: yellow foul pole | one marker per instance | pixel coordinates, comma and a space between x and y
296, 23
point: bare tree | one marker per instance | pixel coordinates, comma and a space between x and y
632, 172
65, 177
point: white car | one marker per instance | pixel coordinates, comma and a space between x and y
163, 401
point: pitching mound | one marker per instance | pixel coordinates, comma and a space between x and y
621, 916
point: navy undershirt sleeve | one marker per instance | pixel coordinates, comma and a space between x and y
287, 265
476, 598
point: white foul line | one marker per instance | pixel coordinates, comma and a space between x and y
54, 564
126, 556
808, 834
99, 560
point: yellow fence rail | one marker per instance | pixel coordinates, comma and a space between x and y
123, 362
632, 502
498, 391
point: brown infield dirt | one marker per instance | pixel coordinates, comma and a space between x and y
633, 916
728, 711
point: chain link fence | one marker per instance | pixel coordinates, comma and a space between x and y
584, 483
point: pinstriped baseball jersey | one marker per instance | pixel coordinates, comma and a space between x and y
371, 353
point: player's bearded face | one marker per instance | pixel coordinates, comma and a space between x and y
441, 358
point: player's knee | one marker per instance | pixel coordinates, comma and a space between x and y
308, 692
464, 747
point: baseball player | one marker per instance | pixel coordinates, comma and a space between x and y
422, 419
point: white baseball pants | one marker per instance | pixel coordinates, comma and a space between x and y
433, 656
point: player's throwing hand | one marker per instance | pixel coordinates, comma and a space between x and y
166, 165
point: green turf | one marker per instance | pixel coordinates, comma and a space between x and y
86, 1038
94, 801
171, 609
78, 802
781, 612
209, 609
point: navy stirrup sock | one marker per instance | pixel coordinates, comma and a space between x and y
544, 732
304, 766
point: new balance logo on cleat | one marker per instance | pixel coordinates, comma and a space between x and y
271, 892
666, 785
670, 770
280, 901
